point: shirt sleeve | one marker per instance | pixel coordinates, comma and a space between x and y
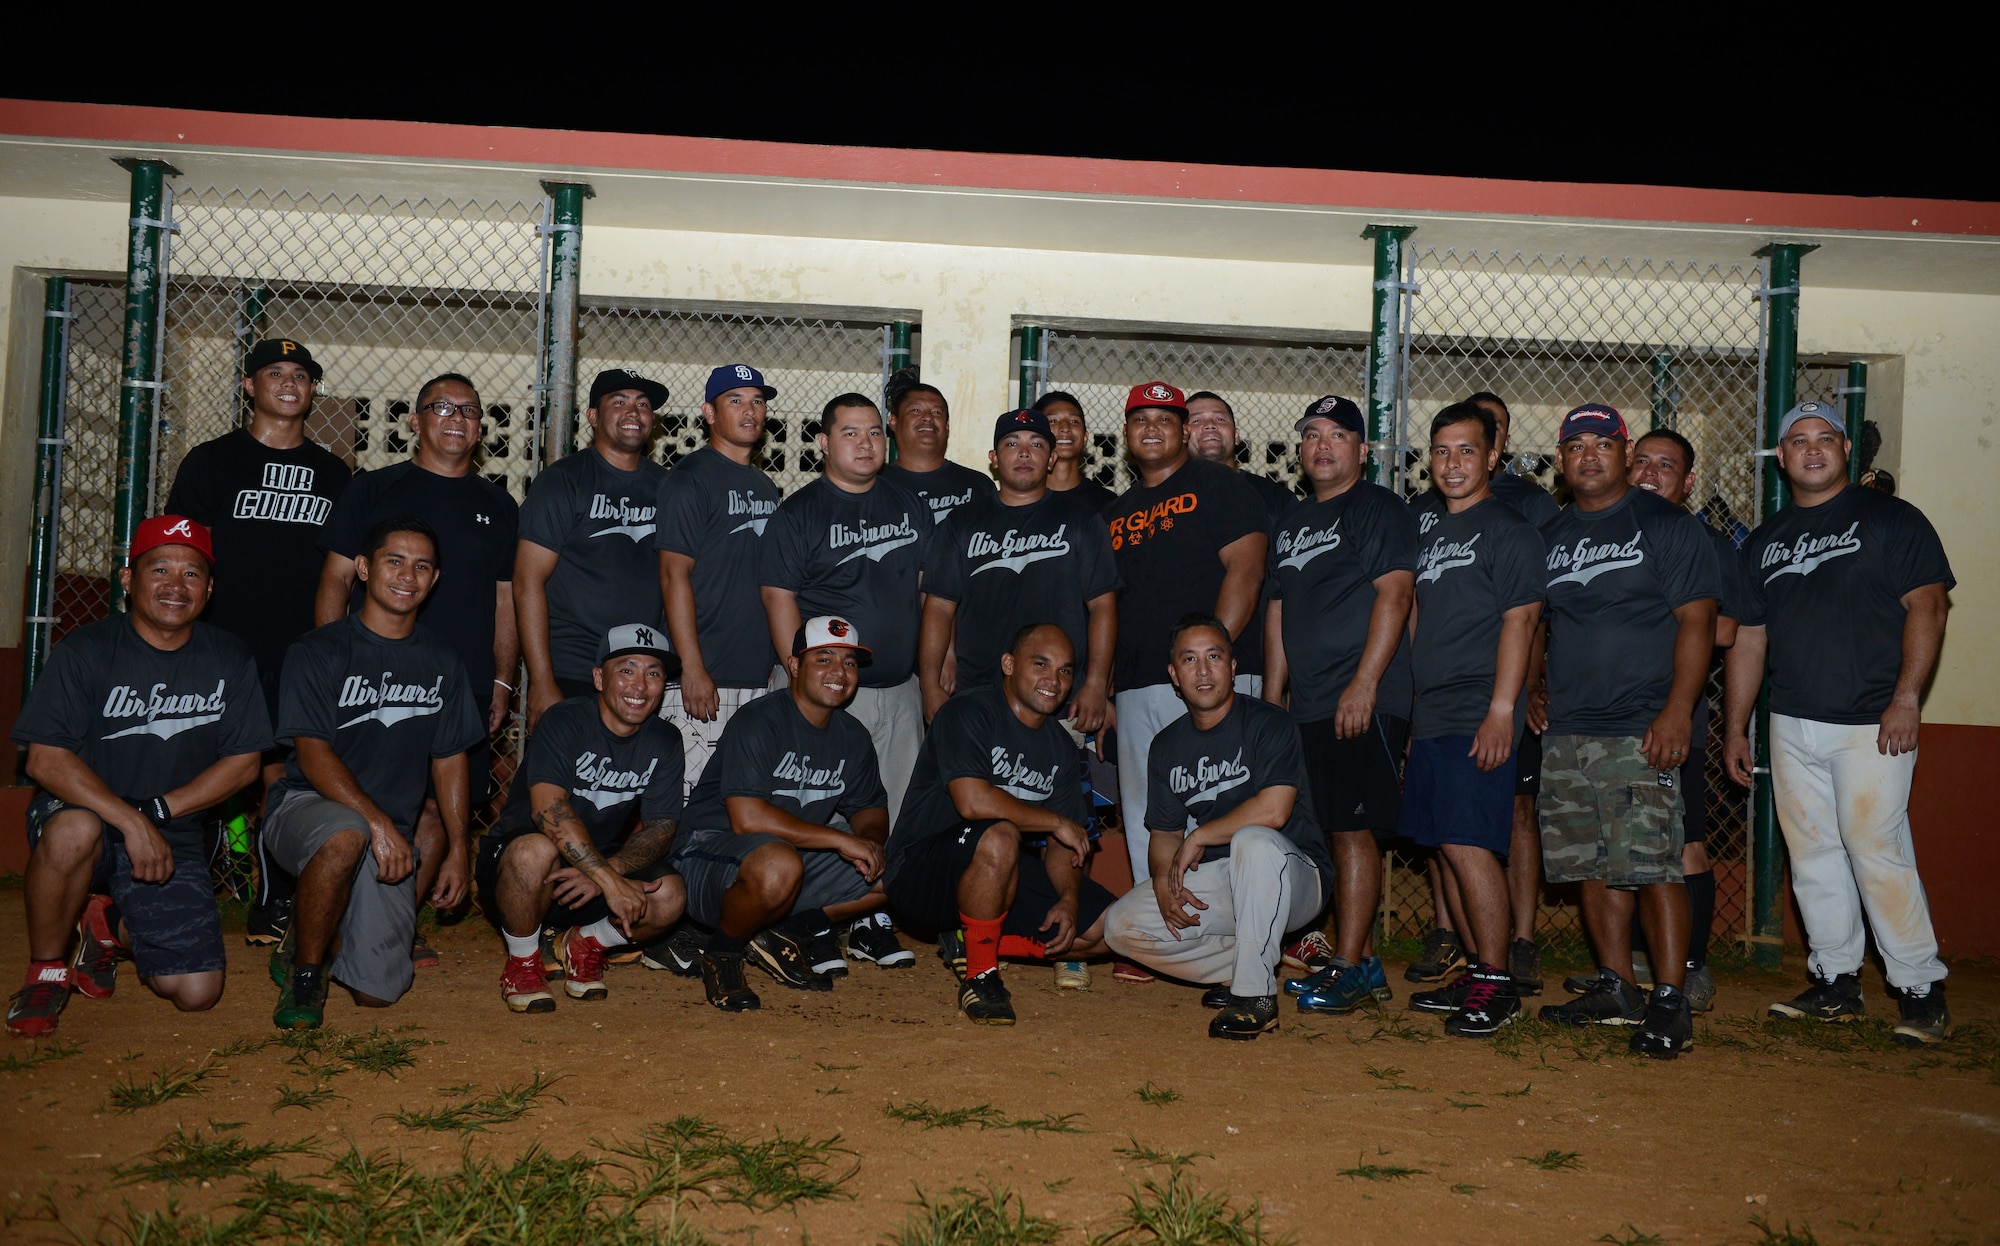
1754, 607
745, 755
548, 505
193, 493
459, 723
1238, 510
1165, 811
664, 797
944, 575
58, 710
1069, 800
246, 723
785, 553
1688, 570
1917, 553
1280, 753
1100, 567
1519, 575
866, 790
683, 519
509, 535
1729, 576
961, 740
1391, 539
347, 523
551, 753
307, 706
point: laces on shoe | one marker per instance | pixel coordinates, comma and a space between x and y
585, 956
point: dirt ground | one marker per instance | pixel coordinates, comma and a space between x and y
1371, 1128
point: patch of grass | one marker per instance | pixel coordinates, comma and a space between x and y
1553, 1160
338, 1051
824, 1067
1158, 1096
1466, 1188
1176, 1212
1393, 1027
1393, 1076
1365, 1171
1522, 1093
690, 1156
994, 1216
474, 1115
245, 1046
316, 1095
1462, 1105
1586, 1043
1787, 1236
131, 1094
1139, 1153
184, 1157
1633, 1237
979, 1116
41, 1053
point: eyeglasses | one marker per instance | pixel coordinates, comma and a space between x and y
445, 410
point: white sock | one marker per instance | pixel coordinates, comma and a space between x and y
606, 934
522, 945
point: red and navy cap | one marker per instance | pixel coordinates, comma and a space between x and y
1341, 411
1156, 394
1593, 417
171, 530
1026, 420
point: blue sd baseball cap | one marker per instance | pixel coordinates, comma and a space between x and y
1593, 417
735, 376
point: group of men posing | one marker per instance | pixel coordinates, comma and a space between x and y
758, 725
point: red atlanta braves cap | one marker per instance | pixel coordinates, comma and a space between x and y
1593, 417
829, 631
171, 530
1156, 394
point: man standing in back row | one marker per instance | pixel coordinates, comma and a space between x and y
921, 423
1212, 435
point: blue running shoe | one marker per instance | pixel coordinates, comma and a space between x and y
1315, 980
1378, 979
1342, 991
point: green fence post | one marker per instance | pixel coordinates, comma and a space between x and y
1856, 394
1663, 390
48, 479
1385, 347
1032, 379
565, 229
899, 347
139, 373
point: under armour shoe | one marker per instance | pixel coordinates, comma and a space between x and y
1611, 1000
1072, 975
422, 954
951, 950
269, 919
1442, 956
1446, 999
1524, 965
1310, 954
873, 938
1490, 1004
1827, 999
1700, 989
1668, 1029
1216, 996
1337, 990
678, 953
722, 981
1925, 1018
524, 987
36, 1009
780, 955
1244, 1017
984, 1000
93, 973
302, 1000
582, 960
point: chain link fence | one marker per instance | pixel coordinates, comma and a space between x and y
87, 559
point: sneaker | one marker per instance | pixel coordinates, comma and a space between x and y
1126, 971
780, 955
1216, 996
822, 949
1925, 1018
93, 973
874, 938
36, 1008
951, 950
523, 986
1610, 1001
678, 953
582, 960
1834, 999
281, 959
422, 954
1490, 1004
1378, 979
984, 1000
301, 1000
1245, 1017
1446, 999
1700, 989
1668, 1029
268, 922
1442, 956
1336, 990
1524, 965
1072, 975
1311, 954
1580, 983
722, 981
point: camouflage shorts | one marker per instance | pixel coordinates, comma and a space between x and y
1606, 815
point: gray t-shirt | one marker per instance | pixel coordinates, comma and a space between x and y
944, 488
859, 556
599, 522
714, 510
1472, 568
1325, 559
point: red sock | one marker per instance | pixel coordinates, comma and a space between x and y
1022, 946
982, 944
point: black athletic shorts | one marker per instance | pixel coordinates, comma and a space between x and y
925, 889
174, 925
1357, 784
1528, 764
560, 916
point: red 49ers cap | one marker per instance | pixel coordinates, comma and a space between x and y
170, 530
1156, 394
829, 631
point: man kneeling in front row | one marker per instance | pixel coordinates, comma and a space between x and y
997, 769
1237, 857
559, 856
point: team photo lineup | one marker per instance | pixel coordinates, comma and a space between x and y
915, 702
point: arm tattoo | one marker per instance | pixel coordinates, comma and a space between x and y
646, 845
560, 823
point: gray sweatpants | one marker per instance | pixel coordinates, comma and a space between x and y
381, 919
895, 721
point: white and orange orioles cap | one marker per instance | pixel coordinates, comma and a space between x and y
828, 631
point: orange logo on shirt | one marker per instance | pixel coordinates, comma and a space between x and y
1155, 519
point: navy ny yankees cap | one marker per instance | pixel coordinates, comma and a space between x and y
630, 638
735, 376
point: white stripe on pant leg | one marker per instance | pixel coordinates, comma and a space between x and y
1872, 794
1202, 954
1822, 878
1273, 886
1142, 712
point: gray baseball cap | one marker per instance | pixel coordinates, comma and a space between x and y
630, 638
1812, 411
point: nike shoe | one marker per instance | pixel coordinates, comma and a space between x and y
36, 1009
301, 1000
93, 973
1700, 989
1072, 975
582, 960
523, 986
873, 938
1611, 1000
822, 950
1490, 1004
1668, 1029
1442, 956
1216, 996
1310, 954
780, 955
984, 1000
1524, 965
1446, 999
1827, 999
722, 981
1337, 990
282, 957
1244, 1017
1925, 1019
268, 922
951, 950
678, 953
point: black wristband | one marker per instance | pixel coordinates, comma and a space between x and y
156, 812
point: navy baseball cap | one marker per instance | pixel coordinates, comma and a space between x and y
611, 380
1026, 420
735, 376
1341, 411
1593, 417
280, 350
630, 638
1812, 411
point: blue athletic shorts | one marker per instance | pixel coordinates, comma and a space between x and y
1447, 799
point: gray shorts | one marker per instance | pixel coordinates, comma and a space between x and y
711, 859
381, 920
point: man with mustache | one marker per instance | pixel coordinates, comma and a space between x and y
1066, 465
920, 421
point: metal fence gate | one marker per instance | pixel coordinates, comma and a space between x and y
91, 315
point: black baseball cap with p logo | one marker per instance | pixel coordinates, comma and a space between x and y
645, 638
280, 350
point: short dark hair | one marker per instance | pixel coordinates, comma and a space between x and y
839, 401
1027, 630
1485, 396
1467, 412
1209, 393
920, 388
446, 378
379, 533
1054, 396
1668, 434
1189, 622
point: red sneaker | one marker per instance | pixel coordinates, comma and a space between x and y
583, 965
93, 974
37, 1007
524, 987
1126, 971
1312, 953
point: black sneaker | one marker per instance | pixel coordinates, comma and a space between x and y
951, 950
1441, 957
1244, 1017
1216, 996
873, 938
1925, 1018
1490, 1003
1580, 983
780, 955
822, 948
1524, 965
1611, 1000
1827, 999
678, 953
1448, 998
1668, 1029
984, 1000
268, 922
722, 981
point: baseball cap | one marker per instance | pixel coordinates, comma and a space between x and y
171, 530
630, 638
1593, 417
735, 376
1026, 420
611, 380
1156, 394
1812, 411
281, 350
1341, 411
828, 631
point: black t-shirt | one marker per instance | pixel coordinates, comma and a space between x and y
859, 556
1526, 495
1091, 494
1472, 568
1277, 499
978, 736
771, 752
944, 489
388, 707
599, 521
1167, 540
264, 508
476, 524
607, 775
1829, 582
1729, 572
147, 720
1009, 566
714, 510
1195, 776
1615, 578
1325, 559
